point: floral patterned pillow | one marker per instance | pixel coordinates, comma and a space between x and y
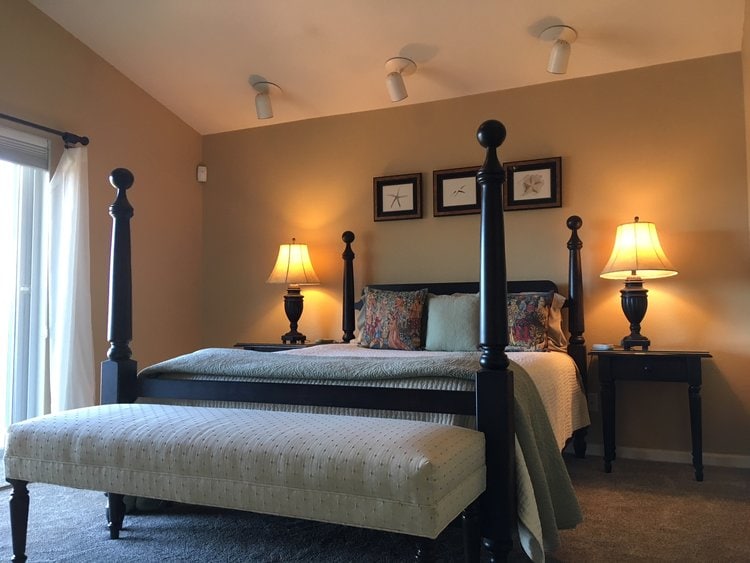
393, 319
528, 318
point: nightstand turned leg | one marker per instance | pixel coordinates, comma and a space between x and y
607, 389
696, 429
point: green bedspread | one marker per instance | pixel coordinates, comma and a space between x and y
546, 500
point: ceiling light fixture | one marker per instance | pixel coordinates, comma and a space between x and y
563, 36
396, 68
263, 107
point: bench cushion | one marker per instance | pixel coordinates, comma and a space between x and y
388, 474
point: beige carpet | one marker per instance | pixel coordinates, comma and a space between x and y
643, 511
650, 511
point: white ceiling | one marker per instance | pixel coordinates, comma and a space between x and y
328, 56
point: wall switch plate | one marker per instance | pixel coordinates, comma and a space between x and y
201, 173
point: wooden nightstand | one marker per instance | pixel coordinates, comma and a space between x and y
652, 365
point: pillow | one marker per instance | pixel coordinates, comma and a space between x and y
556, 338
453, 322
528, 319
359, 320
393, 319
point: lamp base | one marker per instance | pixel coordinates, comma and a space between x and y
635, 340
634, 300
293, 309
293, 338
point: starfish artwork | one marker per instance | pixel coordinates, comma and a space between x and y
396, 198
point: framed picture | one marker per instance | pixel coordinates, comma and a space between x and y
533, 184
455, 192
397, 197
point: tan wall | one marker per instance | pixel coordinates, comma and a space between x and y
49, 77
746, 83
666, 143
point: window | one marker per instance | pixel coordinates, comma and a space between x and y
23, 297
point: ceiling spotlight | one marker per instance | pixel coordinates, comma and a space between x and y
263, 107
563, 36
396, 68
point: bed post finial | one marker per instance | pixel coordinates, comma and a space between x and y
118, 373
347, 323
493, 326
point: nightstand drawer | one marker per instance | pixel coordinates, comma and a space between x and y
651, 366
638, 367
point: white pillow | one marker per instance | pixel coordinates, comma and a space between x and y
452, 322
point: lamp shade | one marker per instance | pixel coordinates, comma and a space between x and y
293, 266
637, 254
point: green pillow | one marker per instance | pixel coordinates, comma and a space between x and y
453, 322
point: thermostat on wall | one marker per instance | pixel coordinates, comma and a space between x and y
201, 173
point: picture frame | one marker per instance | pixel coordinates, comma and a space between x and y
533, 184
455, 191
397, 197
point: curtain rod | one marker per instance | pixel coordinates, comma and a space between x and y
68, 138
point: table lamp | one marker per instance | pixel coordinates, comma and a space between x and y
636, 256
293, 268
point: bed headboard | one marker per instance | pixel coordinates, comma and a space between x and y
573, 304
448, 288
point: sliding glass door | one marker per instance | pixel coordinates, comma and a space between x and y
23, 301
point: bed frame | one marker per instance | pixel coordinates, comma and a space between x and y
492, 401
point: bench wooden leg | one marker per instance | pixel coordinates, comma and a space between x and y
425, 550
471, 533
497, 550
19, 518
115, 514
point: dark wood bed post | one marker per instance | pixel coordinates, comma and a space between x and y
577, 343
348, 255
494, 382
118, 373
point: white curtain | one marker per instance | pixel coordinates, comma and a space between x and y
71, 348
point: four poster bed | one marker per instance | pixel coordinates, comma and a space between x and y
278, 381
500, 393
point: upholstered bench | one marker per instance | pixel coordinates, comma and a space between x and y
386, 474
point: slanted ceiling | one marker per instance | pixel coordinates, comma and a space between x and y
328, 56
